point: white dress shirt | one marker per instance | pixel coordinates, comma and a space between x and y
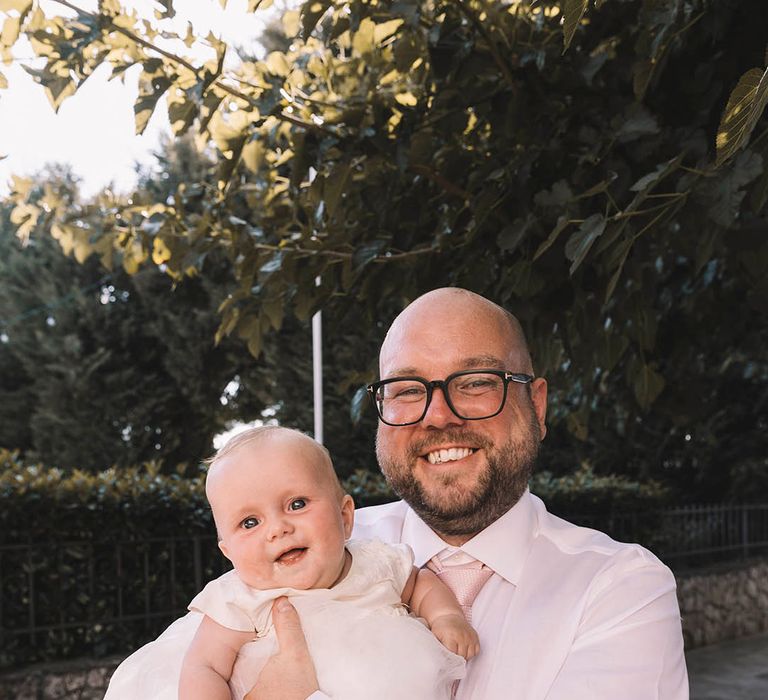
569, 614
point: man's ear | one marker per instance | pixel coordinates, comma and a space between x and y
347, 515
539, 399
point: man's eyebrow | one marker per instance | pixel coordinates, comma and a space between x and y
475, 362
483, 362
403, 372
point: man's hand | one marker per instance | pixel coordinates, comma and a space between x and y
290, 673
456, 634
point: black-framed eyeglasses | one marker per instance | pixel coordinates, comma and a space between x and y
472, 394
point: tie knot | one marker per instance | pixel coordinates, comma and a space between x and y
464, 580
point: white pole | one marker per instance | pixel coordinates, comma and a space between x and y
317, 372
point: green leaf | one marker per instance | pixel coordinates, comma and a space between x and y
311, 12
612, 347
152, 85
637, 122
558, 196
277, 64
273, 309
562, 222
573, 11
581, 240
406, 51
513, 234
20, 6
10, 31
621, 253
647, 385
577, 423
254, 344
253, 155
363, 40
745, 106
384, 30
57, 87
662, 170
333, 187
723, 196
181, 113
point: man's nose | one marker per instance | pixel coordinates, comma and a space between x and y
439, 413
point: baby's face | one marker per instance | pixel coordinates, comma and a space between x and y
280, 519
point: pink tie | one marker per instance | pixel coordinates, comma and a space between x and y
464, 580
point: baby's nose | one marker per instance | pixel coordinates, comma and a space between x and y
278, 528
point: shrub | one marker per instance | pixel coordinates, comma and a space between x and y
97, 564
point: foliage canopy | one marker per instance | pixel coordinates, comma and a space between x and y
596, 167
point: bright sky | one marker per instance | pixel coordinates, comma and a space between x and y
94, 129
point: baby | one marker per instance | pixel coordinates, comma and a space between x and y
284, 521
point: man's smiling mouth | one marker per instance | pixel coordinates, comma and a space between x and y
451, 454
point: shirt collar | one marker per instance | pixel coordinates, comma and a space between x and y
503, 546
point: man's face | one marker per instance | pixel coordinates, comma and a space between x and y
281, 521
460, 475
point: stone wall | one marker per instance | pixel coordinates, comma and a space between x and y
716, 605
719, 605
70, 680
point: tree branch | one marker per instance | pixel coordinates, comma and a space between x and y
437, 178
183, 62
497, 57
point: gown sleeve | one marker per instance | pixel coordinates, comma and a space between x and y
228, 601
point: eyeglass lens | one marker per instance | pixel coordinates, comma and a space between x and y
476, 395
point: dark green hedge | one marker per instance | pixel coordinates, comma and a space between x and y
100, 563
96, 564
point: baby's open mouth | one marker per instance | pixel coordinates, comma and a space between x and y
291, 555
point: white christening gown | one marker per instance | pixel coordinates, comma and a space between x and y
363, 643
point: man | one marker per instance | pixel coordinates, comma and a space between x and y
566, 613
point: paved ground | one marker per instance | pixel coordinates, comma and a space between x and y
730, 671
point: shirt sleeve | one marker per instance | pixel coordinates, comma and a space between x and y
629, 642
319, 695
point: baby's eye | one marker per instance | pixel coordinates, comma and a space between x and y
249, 523
298, 504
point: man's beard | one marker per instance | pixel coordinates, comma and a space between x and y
498, 488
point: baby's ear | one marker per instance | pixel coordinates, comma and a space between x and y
223, 548
347, 515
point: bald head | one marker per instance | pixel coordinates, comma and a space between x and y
447, 314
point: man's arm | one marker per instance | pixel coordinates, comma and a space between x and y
290, 673
629, 650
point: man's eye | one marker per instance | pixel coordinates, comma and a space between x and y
249, 523
408, 393
297, 504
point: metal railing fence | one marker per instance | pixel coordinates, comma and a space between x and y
691, 536
59, 599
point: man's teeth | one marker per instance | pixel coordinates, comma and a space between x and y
449, 455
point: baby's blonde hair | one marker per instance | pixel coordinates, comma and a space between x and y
260, 432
